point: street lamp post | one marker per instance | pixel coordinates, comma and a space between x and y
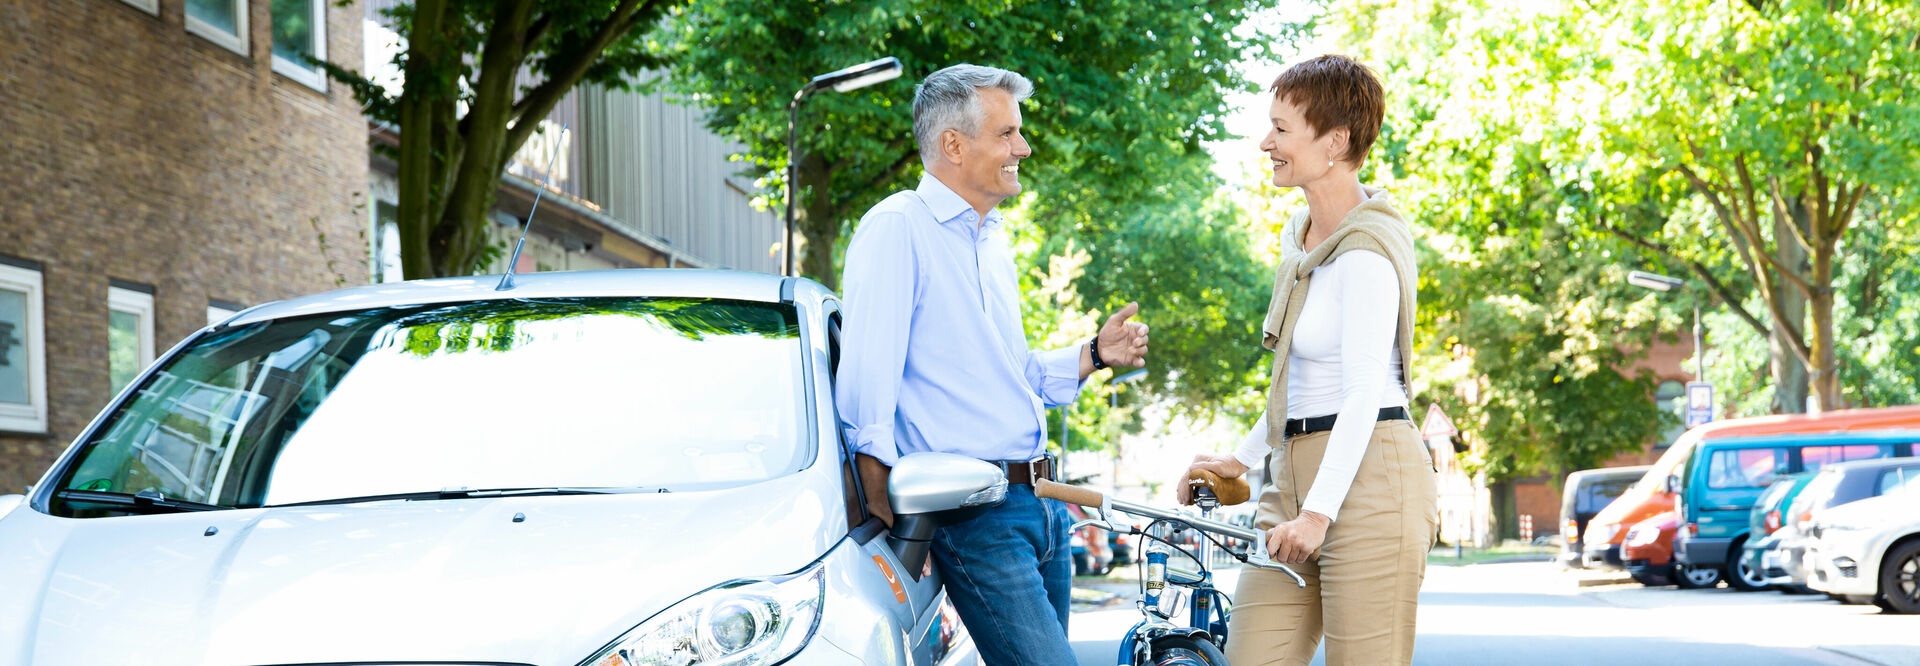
852, 78
1663, 283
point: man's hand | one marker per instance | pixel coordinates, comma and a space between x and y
1226, 467
1294, 541
873, 479
1122, 342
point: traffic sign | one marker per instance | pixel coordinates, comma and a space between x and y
1437, 423
1699, 403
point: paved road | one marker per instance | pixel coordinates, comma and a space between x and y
1529, 613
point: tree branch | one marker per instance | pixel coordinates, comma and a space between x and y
573, 66
1780, 208
1720, 290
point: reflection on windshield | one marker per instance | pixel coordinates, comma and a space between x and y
584, 392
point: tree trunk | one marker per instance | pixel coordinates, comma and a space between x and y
1790, 376
1824, 377
419, 110
815, 222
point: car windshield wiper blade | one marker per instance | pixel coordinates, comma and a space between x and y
145, 501
470, 493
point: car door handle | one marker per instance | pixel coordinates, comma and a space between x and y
1725, 508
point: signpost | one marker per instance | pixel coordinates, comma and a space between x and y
1699, 403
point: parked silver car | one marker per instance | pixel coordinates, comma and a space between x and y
1869, 550
597, 468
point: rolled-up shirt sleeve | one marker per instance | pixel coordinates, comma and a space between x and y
879, 288
1055, 375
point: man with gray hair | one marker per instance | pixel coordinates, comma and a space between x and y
936, 359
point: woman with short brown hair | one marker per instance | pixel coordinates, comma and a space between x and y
1350, 499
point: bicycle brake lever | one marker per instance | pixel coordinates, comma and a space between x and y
1261, 561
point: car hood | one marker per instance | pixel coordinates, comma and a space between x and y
446, 581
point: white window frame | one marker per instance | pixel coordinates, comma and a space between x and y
315, 79
217, 313
31, 418
235, 43
138, 304
148, 6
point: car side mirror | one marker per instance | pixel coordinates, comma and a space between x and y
929, 490
1672, 484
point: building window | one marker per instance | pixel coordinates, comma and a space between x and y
222, 22
219, 311
299, 38
1671, 397
385, 244
129, 333
23, 351
148, 6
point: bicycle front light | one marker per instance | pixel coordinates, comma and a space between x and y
738, 623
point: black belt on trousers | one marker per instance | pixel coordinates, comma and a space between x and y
1324, 423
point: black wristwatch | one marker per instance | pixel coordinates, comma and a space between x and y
1093, 346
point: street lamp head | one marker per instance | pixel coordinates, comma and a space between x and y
1654, 281
858, 76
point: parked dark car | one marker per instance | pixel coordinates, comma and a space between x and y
1769, 526
1121, 547
1587, 492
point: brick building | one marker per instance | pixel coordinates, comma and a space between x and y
161, 162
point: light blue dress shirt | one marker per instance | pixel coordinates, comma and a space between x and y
934, 356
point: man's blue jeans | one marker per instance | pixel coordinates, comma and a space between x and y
1009, 573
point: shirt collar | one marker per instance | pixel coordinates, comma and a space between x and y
947, 206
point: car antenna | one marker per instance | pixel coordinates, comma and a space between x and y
506, 281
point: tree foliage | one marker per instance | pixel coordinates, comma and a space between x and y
1551, 147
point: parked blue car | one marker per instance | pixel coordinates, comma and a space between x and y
1716, 490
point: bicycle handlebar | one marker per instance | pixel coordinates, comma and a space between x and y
1095, 499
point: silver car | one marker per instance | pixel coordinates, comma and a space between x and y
597, 468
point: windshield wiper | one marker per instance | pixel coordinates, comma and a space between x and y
145, 501
471, 493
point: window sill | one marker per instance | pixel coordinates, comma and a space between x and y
314, 79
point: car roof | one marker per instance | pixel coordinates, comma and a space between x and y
1842, 420
640, 282
1635, 472
1852, 466
1818, 438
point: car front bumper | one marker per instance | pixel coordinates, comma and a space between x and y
1604, 557
1836, 565
1698, 551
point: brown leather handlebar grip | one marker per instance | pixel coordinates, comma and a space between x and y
1229, 491
1069, 494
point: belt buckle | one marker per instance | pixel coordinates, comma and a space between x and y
1033, 468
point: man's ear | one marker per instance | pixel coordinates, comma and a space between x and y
952, 145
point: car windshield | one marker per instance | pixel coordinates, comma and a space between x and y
662, 394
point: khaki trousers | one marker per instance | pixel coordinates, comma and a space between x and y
1363, 585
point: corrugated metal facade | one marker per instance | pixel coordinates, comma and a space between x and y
655, 165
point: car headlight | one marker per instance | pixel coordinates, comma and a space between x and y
1601, 534
737, 623
1639, 536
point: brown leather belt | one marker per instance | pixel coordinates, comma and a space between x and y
1023, 472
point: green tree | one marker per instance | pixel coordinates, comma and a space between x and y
1122, 89
463, 112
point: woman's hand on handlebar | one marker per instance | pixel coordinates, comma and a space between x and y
1226, 466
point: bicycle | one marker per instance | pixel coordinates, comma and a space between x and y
1156, 639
